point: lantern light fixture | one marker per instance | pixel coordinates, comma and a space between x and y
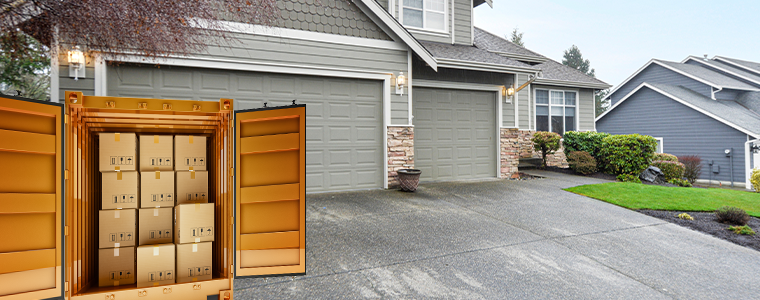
76, 63
400, 82
508, 92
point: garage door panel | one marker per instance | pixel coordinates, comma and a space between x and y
344, 133
454, 133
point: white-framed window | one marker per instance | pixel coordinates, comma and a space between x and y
659, 145
424, 14
556, 110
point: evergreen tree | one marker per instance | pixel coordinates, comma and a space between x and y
574, 59
517, 38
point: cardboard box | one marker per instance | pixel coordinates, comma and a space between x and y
118, 151
155, 265
120, 189
192, 187
193, 262
116, 266
117, 228
156, 153
194, 223
156, 189
190, 152
156, 226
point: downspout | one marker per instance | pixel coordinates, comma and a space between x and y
749, 147
713, 91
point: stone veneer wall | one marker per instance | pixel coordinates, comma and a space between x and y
516, 144
400, 151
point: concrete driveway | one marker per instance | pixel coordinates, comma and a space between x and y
503, 239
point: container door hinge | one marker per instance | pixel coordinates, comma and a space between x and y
66, 119
232, 172
66, 174
232, 269
66, 230
66, 286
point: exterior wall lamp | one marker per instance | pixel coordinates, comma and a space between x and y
400, 82
508, 92
76, 63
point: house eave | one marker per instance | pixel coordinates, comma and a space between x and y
565, 83
478, 66
522, 57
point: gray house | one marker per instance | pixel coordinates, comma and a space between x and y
450, 115
700, 106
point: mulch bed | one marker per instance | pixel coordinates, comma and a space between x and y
705, 222
569, 171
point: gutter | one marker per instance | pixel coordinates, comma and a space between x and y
572, 83
479, 66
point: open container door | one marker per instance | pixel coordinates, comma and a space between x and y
31, 160
270, 198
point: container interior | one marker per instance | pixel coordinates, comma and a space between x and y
84, 184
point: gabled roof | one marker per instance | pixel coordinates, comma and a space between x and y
726, 68
728, 112
457, 56
552, 72
747, 65
750, 100
715, 78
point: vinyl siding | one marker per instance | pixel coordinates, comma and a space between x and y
462, 22
728, 94
684, 131
659, 74
523, 103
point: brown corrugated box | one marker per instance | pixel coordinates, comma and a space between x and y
155, 265
193, 262
120, 189
194, 223
117, 228
118, 151
116, 266
192, 187
190, 152
156, 153
155, 226
156, 189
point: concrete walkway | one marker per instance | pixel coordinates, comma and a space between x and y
503, 239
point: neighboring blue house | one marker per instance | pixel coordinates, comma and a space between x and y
699, 106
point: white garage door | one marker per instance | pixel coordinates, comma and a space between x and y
454, 134
344, 137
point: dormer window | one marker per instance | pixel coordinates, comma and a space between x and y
424, 14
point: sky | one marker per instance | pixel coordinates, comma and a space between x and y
619, 37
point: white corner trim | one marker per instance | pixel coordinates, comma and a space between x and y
54, 79
100, 76
679, 100
662, 145
453, 17
386, 124
409, 85
728, 61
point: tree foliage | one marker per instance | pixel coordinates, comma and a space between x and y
24, 66
517, 37
152, 28
546, 143
601, 103
574, 59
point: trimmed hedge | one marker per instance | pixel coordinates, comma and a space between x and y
581, 162
627, 154
665, 157
671, 169
588, 141
754, 179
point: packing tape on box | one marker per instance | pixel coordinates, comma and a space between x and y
190, 139
192, 174
197, 207
155, 250
116, 252
118, 175
155, 212
195, 278
195, 247
116, 214
116, 245
190, 168
158, 174
116, 137
155, 139
116, 168
197, 240
155, 284
116, 283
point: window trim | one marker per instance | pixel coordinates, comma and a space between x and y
424, 17
549, 105
660, 145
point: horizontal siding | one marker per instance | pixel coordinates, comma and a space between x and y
399, 108
684, 131
438, 38
586, 110
462, 22
728, 94
523, 103
508, 114
657, 74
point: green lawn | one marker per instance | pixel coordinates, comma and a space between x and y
640, 196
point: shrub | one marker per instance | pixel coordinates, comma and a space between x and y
546, 143
732, 215
665, 157
685, 216
581, 162
692, 167
745, 230
680, 182
589, 141
755, 180
627, 154
671, 169
628, 178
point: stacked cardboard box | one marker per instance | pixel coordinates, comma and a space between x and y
194, 216
119, 199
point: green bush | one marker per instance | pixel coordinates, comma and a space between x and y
581, 162
680, 182
627, 154
745, 230
589, 141
692, 167
628, 178
671, 169
732, 215
665, 157
755, 180
546, 143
